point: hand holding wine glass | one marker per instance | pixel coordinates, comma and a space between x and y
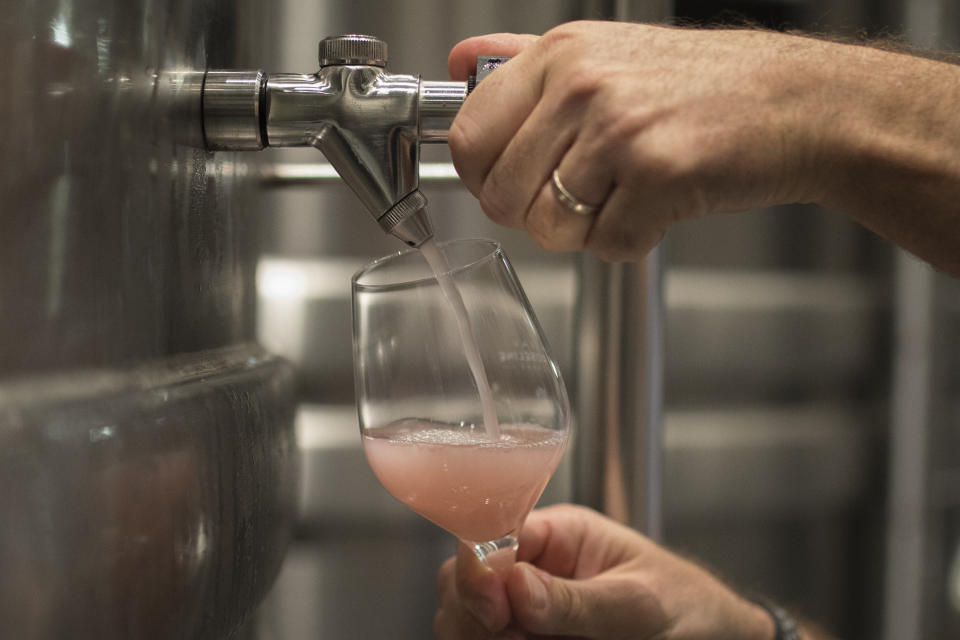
581, 574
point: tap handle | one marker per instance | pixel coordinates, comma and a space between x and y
485, 64
353, 49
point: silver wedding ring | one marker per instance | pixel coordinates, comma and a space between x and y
572, 203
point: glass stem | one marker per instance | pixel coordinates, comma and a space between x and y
498, 555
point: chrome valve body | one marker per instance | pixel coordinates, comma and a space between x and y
369, 123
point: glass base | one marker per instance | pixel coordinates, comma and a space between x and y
498, 554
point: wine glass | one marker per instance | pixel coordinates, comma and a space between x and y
421, 417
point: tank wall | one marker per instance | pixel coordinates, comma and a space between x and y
146, 444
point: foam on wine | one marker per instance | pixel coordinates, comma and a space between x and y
456, 477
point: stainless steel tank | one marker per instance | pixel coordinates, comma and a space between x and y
147, 459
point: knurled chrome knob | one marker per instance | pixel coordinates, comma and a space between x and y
353, 49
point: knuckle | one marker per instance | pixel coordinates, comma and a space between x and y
679, 175
460, 136
544, 228
463, 133
555, 240
653, 160
629, 124
464, 139
561, 34
579, 510
439, 624
551, 227
582, 83
665, 167
543, 231
621, 129
541, 241
493, 203
445, 576
571, 607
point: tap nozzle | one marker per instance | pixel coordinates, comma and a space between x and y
408, 220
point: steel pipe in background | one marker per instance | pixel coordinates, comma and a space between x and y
619, 391
618, 453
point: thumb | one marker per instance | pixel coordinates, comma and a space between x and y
463, 57
595, 608
481, 590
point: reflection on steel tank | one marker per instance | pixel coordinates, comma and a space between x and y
147, 460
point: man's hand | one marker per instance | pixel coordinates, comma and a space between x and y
658, 124
582, 574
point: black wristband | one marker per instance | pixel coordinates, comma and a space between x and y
786, 626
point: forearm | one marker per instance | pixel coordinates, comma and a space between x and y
890, 149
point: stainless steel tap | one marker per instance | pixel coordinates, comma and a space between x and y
367, 122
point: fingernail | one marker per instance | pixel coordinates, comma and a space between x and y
536, 589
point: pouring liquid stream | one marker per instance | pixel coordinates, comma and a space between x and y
441, 269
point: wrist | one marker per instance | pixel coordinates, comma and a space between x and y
800, 88
885, 117
758, 623
785, 627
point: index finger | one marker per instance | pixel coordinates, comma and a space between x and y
551, 539
494, 111
569, 541
462, 62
